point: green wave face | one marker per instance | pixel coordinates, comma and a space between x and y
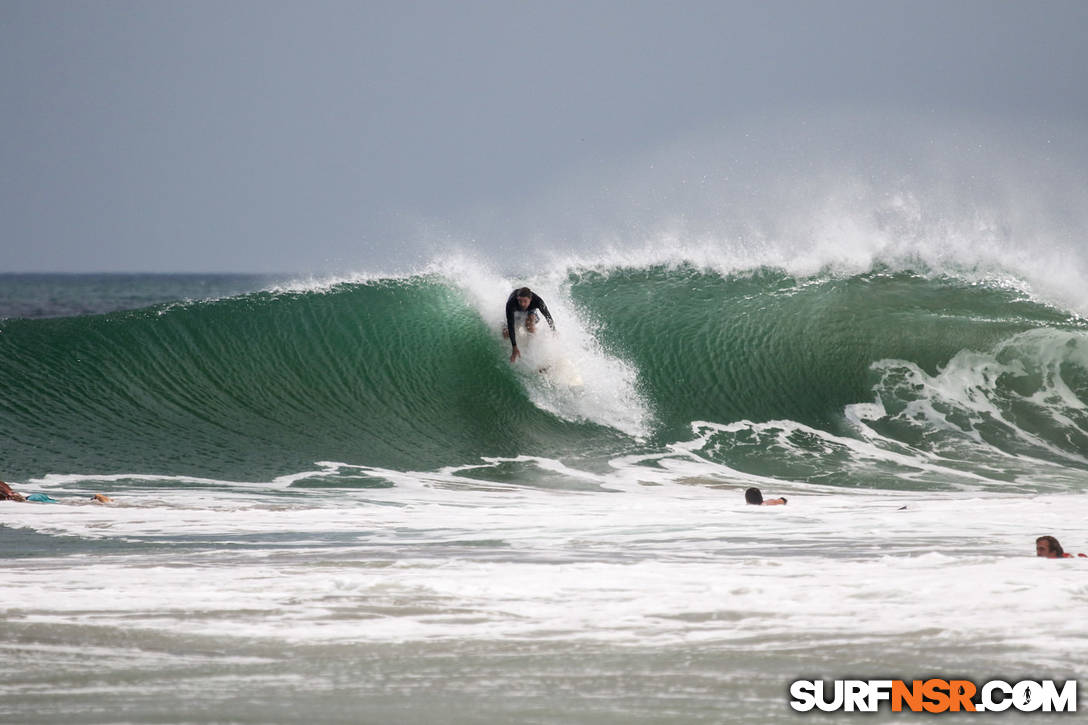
763, 373
768, 346
397, 374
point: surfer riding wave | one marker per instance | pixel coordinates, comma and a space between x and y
521, 307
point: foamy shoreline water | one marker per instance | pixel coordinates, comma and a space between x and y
244, 583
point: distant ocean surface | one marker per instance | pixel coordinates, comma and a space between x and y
33, 296
335, 499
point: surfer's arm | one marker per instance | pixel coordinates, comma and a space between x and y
510, 323
547, 315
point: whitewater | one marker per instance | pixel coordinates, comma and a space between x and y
335, 499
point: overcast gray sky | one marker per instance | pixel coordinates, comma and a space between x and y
321, 136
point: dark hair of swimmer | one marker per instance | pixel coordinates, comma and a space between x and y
6, 494
524, 292
754, 496
1055, 549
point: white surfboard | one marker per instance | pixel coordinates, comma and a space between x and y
563, 372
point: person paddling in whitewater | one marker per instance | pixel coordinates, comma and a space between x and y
521, 307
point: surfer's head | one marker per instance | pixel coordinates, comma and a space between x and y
1049, 548
754, 496
525, 297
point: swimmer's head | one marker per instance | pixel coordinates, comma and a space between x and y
1048, 547
754, 496
6, 494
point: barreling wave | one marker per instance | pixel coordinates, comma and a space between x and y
800, 378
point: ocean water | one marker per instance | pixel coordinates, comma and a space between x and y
335, 500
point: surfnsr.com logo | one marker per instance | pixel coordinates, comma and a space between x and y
933, 695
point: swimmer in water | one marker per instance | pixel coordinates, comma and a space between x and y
1049, 548
755, 497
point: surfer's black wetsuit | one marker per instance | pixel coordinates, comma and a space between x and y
512, 307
